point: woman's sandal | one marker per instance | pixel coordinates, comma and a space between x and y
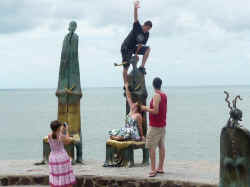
160, 171
152, 174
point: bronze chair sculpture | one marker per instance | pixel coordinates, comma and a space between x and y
121, 153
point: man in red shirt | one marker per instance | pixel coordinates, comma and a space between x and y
157, 126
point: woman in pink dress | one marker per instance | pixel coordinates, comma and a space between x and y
61, 172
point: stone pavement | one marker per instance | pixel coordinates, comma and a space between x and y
202, 172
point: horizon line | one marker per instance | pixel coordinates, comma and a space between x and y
171, 86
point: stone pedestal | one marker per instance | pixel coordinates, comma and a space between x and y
235, 157
71, 114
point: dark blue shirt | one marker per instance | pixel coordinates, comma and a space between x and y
135, 37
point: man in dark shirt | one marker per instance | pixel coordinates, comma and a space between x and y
135, 43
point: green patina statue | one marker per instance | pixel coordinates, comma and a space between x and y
69, 94
234, 150
69, 89
120, 153
69, 85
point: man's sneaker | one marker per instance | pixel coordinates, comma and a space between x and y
143, 70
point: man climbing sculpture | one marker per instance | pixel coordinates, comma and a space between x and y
135, 43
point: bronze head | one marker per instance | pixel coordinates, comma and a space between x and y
72, 26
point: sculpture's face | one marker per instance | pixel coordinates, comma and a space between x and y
72, 26
235, 158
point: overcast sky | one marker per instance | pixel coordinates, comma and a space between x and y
194, 42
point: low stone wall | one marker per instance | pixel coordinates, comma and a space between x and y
24, 180
92, 174
94, 181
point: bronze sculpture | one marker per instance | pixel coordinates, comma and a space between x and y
120, 153
234, 150
69, 88
69, 94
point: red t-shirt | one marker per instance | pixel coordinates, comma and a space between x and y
160, 119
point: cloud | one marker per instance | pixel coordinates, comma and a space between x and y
23, 15
193, 42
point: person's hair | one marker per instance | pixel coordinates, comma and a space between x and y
139, 110
148, 23
157, 83
54, 125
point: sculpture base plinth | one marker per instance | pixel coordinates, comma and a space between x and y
234, 157
121, 153
71, 114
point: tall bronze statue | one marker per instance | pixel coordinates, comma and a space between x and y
234, 150
69, 88
69, 95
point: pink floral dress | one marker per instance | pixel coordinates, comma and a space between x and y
61, 172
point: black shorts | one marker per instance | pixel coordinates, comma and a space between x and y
127, 54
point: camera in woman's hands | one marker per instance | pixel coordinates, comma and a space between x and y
65, 124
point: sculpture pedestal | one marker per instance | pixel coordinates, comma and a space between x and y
234, 157
71, 114
121, 153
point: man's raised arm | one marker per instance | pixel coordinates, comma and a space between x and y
136, 11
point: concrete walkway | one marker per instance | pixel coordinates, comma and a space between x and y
187, 171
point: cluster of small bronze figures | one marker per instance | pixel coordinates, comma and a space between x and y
234, 140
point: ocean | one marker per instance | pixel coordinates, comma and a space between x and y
196, 116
